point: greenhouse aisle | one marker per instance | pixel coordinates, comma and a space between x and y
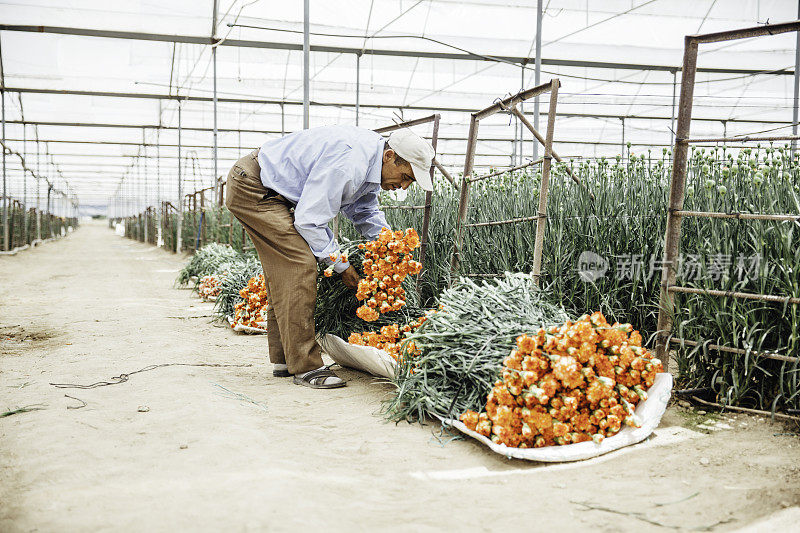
239, 450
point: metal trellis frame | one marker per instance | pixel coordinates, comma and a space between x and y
676, 213
509, 105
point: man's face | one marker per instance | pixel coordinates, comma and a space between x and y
395, 176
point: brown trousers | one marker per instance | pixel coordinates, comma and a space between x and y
290, 269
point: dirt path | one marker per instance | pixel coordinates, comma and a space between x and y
234, 449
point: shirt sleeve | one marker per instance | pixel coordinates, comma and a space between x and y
320, 201
366, 216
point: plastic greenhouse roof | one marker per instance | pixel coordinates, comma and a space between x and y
583, 34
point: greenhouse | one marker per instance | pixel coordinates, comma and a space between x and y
545, 247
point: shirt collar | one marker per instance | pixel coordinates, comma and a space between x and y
376, 163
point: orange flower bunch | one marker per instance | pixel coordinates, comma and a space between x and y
209, 287
390, 338
573, 383
387, 262
253, 309
328, 272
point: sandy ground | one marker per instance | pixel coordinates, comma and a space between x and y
232, 448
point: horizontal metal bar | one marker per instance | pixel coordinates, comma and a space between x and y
512, 101
407, 124
402, 207
743, 216
140, 36
500, 222
779, 416
739, 351
741, 139
505, 171
734, 294
745, 33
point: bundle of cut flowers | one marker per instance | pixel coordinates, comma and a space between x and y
566, 384
341, 311
387, 262
232, 276
390, 338
209, 287
253, 307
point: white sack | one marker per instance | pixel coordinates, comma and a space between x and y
649, 412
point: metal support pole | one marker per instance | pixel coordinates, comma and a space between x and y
38, 193
541, 222
159, 237
214, 61
358, 84
537, 73
672, 119
796, 84
49, 215
180, 187
146, 190
283, 127
472, 141
622, 146
306, 49
426, 215
216, 162
24, 183
5, 189
519, 124
676, 196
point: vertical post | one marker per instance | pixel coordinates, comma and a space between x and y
283, 126
159, 215
426, 215
5, 190
796, 84
537, 73
38, 195
146, 190
622, 146
472, 141
49, 216
541, 221
306, 49
180, 186
24, 180
214, 61
358, 87
676, 194
519, 122
672, 120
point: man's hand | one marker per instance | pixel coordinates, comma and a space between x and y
350, 277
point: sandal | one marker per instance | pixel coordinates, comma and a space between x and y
316, 379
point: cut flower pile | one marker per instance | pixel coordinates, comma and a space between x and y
253, 309
574, 383
390, 338
387, 262
209, 288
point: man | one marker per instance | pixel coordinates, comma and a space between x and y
286, 193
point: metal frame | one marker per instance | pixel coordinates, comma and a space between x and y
676, 213
509, 105
142, 36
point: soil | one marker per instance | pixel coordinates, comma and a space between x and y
212, 448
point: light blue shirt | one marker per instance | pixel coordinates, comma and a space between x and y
326, 170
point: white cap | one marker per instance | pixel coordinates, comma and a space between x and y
417, 151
